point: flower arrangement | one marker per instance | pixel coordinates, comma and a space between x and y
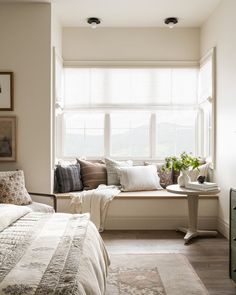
181, 163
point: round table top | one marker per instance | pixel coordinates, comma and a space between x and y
176, 189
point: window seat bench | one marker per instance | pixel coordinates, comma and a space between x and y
150, 210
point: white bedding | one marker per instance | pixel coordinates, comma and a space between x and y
43, 253
10, 213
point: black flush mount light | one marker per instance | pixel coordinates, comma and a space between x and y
171, 21
93, 21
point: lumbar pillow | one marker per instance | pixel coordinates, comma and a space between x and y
139, 178
164, 175
93, 174
68, 178
12, 188
112, 165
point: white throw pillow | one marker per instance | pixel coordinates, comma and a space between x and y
112, 165
139, 178
202, 170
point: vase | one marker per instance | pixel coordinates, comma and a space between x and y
183, 179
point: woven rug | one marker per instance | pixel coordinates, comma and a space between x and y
153, 274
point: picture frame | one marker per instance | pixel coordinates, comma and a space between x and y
6, 91
8, 139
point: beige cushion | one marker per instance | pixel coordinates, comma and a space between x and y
112, 165
92, 174
202, 170
139, 178
12, 188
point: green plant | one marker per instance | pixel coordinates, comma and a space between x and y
183, 162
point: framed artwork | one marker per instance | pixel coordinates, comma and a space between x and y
6, 91
7, 139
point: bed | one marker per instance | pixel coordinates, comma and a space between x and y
50, 253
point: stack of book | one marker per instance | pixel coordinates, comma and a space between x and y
206, 186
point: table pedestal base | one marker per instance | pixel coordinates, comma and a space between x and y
196, 233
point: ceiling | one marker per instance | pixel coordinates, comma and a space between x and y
134, 13
131, 13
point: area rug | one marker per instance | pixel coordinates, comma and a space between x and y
153, 274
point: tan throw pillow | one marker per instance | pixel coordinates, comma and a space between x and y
92, 174
12, 189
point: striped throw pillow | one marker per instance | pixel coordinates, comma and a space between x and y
68, 178
93, 174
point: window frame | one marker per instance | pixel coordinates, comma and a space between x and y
199, 142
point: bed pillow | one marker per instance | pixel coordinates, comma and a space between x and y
164, 175
12, 188
112, 165
139, 178
68, 178
93, 174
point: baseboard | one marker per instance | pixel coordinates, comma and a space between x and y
223, 227
156, 223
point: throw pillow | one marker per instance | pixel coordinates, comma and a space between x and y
202, 170
165, 176
12, 188
112, 165
139, 178
68, 178
93, 174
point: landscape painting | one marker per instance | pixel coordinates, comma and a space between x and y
7, 139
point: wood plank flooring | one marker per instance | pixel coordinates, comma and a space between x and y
208, 256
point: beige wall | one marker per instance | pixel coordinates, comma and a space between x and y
130, 44
219, 31
25, 49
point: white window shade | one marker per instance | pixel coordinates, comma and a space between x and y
205, 80
138, 86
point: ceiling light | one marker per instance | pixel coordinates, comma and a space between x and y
93, 21
171, 21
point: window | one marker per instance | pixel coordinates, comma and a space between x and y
130, 135
206, 102
140, 113
175, 132
83, 134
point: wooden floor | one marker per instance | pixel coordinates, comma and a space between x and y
208, 256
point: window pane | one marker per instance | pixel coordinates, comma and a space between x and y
130, 135
84, 135
175, 132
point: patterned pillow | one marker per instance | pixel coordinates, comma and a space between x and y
12, 188
112, 166
165, 176
68, 178
93, 174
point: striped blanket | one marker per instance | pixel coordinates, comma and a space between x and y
43, 253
